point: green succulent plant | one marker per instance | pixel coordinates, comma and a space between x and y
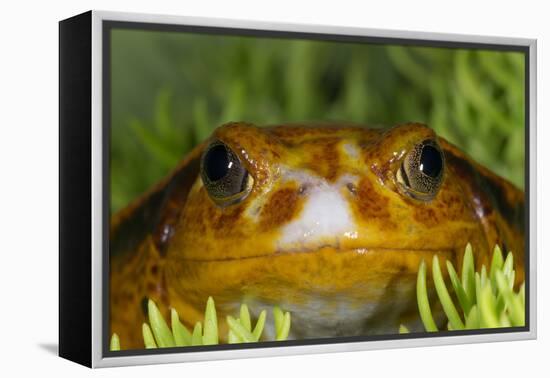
157, 333
486, 299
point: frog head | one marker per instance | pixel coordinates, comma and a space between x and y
331, 222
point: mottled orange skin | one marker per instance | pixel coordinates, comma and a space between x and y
235, 253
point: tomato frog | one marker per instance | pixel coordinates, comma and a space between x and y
330, 222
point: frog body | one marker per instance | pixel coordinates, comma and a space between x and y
330, 222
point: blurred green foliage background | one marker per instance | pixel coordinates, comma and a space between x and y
170, 90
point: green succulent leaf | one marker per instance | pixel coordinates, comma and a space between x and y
513, 301
468, 274
210, 336
161, 331
444, 297
245, 317
240, 331
489, 303
259, 328
423, 302
196, 337
496, 264
148, 338
114, 345
282, 332
458, 289
232, 338
508, 267
487, 306
472, 320
278, 317
182, 336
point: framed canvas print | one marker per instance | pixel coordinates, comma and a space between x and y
233, 189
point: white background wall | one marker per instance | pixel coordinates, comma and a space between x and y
29, 174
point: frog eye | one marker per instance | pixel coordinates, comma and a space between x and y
225, 178
421, 173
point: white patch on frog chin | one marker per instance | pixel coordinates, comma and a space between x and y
325, 217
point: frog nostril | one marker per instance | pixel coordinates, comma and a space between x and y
303, 189
351, 187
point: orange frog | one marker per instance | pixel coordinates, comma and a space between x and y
328, 222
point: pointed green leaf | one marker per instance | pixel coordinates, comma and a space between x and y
483, 277
504, 320
239, 330
244, 317
196, 337
182, 336
422, 299
258, 329
478, 297
403, 329
459, 290
162, 333
278, 315
468, 271
500, 304
148, 339
496, 264
115, 343
232, 338
444, 297
285, 328
487, 306
210, 323
511, 279
508, 265
472, 320
513, 302
522, 294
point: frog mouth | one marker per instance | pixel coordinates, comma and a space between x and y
386, 253
361, 273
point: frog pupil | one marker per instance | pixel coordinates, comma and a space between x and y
431, 163
217, 163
